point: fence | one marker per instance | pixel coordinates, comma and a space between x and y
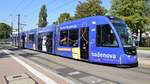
5, 41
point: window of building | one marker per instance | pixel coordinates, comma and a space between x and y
63, 38
105, 36
73, 38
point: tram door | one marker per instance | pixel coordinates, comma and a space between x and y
15, 41
49, 42
40, 42
84, 43
23, 41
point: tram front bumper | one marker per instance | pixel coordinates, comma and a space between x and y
128, 59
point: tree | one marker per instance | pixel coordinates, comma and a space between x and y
134, 12
43, 17
147, 12
89, 8
64, 17
5, 31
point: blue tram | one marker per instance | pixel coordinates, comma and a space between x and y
45, 39
100, 39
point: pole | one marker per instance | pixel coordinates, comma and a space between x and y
139, 37
11, 33
12, 25
18, 30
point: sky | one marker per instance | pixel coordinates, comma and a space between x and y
29, 10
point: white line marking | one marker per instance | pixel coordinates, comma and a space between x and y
74, 73
46, 79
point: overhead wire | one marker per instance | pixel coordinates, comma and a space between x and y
21, 9
16, 7
25, 7
34, 12
63, 5
56, 8
13, 11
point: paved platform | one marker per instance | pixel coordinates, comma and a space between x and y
11, 65
144, 57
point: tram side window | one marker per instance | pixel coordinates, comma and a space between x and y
105, 36
73, 38
31, 38
63, 38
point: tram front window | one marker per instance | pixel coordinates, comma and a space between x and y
126, 38
124, 34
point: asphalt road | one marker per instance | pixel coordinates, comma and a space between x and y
84, 72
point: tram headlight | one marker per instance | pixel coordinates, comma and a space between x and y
130, 50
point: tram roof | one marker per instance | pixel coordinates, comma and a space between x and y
85, 22
86, 19
46, 29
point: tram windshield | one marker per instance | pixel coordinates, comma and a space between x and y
124, 34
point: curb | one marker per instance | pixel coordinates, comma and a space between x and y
143, 51
144, 61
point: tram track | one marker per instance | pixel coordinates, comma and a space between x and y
141, 70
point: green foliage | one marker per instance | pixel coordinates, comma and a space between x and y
64, 17
147, 12
84, 9
134, 12
89, 8
5, 31
43, 17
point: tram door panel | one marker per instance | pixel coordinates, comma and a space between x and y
23, 41
49, 42
40, 42
15, 41
84, 43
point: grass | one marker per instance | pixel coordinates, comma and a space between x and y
143, 48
